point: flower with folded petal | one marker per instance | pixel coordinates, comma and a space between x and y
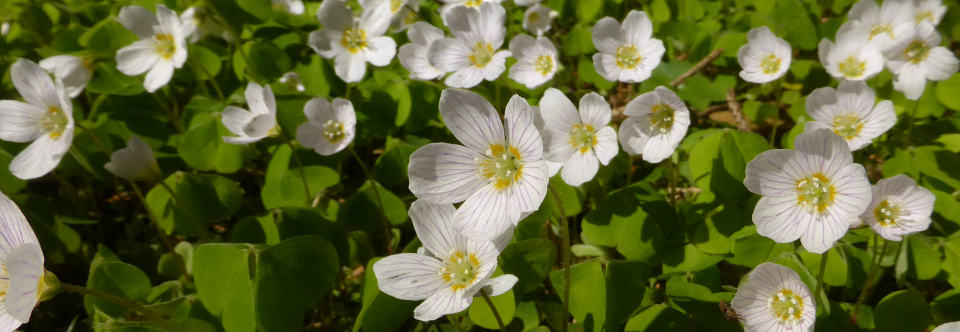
449, 273
810, 193
765, 57
918, 58
579, 140
403, 13
656, 123
627, 53
948, 327
330, 127
474, 55
536, 60
134, 162
46, 119
537, 19
162, 46
775, 299
294, 7
353, 42
899, 207
498, 173
253, 125
293, 80
883, 25
850, 113
22, 279
73, 71
930, 11
853, 57
415, 55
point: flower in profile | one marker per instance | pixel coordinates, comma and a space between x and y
73, 71
917, 58
774, 299
192, 24
810, 193
294, 7
353, 42
4, 28
537, 18
579, 140
899, 207
46, 119
536, 60
330, 127
450, 5
656, 123
293, 80
498, 173
134, 162
930, 11
473, 56
853, 57
450, 271
403, 13
850, 113
883, 25
162, 46
627, 53
23, 277
415, 55
765, 57
948, 327
253, 125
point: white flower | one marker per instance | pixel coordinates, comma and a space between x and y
918, 58
853, 57
498, 172
810, 193
578, 140
22, 281
414, 55
899, 207
259, 122
162, 46
330, 127
46, 119
191, 24
353, 42
850, 113
930, 11
552, 167
656, 123
537, 19
628, 53
450, 5
73, 71
883, 25
948, 327
4, 28
774, 299
403, 13
294, 7
446, 275
536, 60
765, 57
293, 80
473, 56
134, 162
525, 3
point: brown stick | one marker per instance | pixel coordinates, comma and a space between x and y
698, 67
734, 106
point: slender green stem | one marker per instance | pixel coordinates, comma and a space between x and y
455, 322
913, 118
152, 315
493, 308
179, 203
303, 173
211, 78
776, 117
376, 194
874, 268
823, 268
96, 139
167, 241
564, 235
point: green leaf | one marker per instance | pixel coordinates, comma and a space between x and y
578, 41
587, 10
530, 261
201, 199
120, 279
180, 325
631, 220
108, 80
659, 317
363, 210
106, 37
893, 308
587, 293
261, 9
222, 276
481, 314
205, 63
718, 162
9, 184
688, 259
836, 273
660, 11
202, 146
391, 168
292, 277
947, 92
267, 61
625, 284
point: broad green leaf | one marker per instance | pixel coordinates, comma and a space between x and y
625, 284
201, 199
222, 276
947, 92
659, 317
108, 80
362, 209
587, 293
204, 62
381, 312
480, 313
292, 277
202, 146
119, 279
893, 308
718, 162
530, 261
630, 219
688, 259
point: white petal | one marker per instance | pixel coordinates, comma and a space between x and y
465, 78
444, 302
334, 14
471, 119
137, 58
14, 228
606, 66
948, 327
158, 76
318, 110
34, 84
20, 122
637, 27
558, 112
41, 156
380, 51
424, 34
607, 35
260, 99
134, 162
435, 227
326, 42
350, 67
444, 173
521, 131
580, 168
500, 285
825, 144
594, 110
496, 66
343, 111
823, 233
25, 265
409, 276
941, 64
780, 218
235, 119
487, 213
413, 57
606, 147
375, 20
911, 84
138, 20
772, 173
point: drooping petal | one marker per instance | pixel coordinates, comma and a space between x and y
594, 110
20, 122
471, 119
25, 265
138, 20
435, 227
606, 147
409, 276
521, 131
158, 76
380, 51
41, 156
260, 99
444, 173
135, 162
137, 58
500, 285
580, 168
444, 302
350, 67
235, 119
34, 84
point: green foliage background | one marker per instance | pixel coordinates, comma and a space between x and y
246, 250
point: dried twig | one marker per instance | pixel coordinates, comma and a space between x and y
698, 67
742, 122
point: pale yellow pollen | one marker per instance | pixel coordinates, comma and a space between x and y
583, 138
628, 57
852, 67
354, 40
815, 193
847, 125
165, 45
503, 166
482, 54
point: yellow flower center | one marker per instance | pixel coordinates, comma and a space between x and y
786, 306
165, 45
886, 213
395, 5
661, 118
544, 65
917, 51
815, 193
881, 29
847, 125
333, 131
533, 17
628, 57
354, 40
55, 122
925, 15
473, 3
460, 270
583, 137
852, 67
482, 54
770, 64
88, 63
503, 166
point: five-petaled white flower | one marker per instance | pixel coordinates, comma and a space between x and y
330, 127
578, 140
46, 119
536, 60
853, 57
917, 58
537, 18
446, 275
134, 162
294, 7
883, 25
353, 42
162, 46
473, 56
850, 113
627, 53
415, 55
930, 11
293, 80
499, 172
810, 193
73, 71
656, 123
899, 207
22, 279
765, 57
774, 299
253, 125
403, 13
948, 327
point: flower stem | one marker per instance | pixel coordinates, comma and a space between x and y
564, 235
776, 117
455, 322
874, 268
96, 139
167, 241
211, 78
493, 308
823, 268
303, 173
376, 194
152, 315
